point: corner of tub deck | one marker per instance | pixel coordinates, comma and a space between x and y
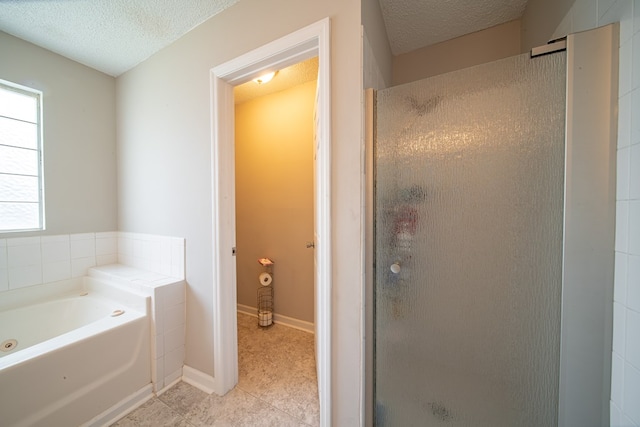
168, 315
132, 276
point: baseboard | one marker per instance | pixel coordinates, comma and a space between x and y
121, 408
280, 319
199, 379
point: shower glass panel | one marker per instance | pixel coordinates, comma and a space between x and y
468, 232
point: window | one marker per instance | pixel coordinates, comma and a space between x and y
21, 193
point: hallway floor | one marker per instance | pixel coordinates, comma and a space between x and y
277, 386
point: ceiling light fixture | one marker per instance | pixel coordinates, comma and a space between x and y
265, 78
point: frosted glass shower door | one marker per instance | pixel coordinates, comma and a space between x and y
468, 233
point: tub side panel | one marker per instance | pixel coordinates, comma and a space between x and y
72, 384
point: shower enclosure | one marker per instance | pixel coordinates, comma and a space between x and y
493, 234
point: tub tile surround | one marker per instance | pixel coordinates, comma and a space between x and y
31, 261
625, 372
150, 265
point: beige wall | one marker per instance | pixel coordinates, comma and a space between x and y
164, 165
472, 49
377, 56
274, 197
79, 139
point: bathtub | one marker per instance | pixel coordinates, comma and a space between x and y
78, 357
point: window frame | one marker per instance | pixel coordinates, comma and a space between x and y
38, 95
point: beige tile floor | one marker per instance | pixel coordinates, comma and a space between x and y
277, 386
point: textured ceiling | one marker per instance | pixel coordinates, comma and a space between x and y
412, 24
112, 36
286, 78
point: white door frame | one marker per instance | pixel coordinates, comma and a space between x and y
305, 43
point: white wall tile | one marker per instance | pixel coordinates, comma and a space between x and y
634, 112
631, 405
165, 257
603, 7
585, 15
617, 379
106, 259
173, 361
633, 283
82, 236
172, 377
618, 419
55, 271
173, 295
174, 339
154, 251
624, 120
154, 377
614, 415
20, 277
159, 345
106, 246
125, 245
625, 60
634, 172
160, 373
107, 235
79, 266
125, 260
634, 227
138, 248
635, 60
622, 166
20, 241
626, 22
636, 16
55, 239
24, 255
622, 226
3, 254
621, 277
632, 344
565, 27
619, 328
4, 279
626, 421
175, 317
56, 250
83, 248
159, 316
177, 260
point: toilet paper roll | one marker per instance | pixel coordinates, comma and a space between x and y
265, 279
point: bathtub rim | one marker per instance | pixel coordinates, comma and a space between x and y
135, 306
82, 333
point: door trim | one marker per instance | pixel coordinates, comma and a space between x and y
313, 40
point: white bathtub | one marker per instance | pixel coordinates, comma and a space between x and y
74, 363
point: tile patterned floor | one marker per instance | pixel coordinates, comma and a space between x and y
277, 386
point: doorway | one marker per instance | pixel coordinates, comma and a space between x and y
274, 223
303, 44
274, 194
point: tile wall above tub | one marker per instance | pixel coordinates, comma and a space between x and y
29, 261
